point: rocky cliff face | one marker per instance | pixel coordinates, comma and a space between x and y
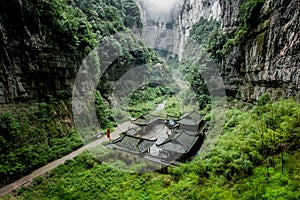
266, 62
167, 28
269, 60
32, 64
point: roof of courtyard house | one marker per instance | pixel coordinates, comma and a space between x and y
146, 119
179, 142
132, 144
192, 118
154, 134
131, 131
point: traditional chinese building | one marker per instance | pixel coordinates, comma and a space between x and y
160, 141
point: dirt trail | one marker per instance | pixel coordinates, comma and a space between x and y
161, 106
159, 111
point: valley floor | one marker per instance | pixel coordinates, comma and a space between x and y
247, 162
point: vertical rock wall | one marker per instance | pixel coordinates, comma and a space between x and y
32, 64
269, 60
167, 28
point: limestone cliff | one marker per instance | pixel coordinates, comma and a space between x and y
32, 62
167, 28
35, 59
269, 59
42, 43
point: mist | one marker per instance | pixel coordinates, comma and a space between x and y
161, 4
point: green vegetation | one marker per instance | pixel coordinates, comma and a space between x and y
173, 107
74, 32
103, 111
221, 44
80, 24
132, 15
256, 157
202, 29
33, 135
254, 138
216, 41
197, 61
248, 21
121, 54
145, 100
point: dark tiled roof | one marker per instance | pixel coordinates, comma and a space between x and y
170, 138
127, 142
145, 144
179, 142
174, 147
133, 144
145, 119
192, 118
131, 131
186, 140
190, 132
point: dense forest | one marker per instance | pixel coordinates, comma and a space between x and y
255, 154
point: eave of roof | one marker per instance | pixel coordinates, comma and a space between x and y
190, 117
133, 144
177, 140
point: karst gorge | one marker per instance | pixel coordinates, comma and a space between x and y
149, 99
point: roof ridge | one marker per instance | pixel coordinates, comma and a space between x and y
187, 114
170, 139
119, 138
194, 135
140, 138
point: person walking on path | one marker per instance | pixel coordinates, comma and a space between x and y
108, 133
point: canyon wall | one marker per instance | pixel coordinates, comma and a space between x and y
167, 28
35, 62
32, 62
43, 43
268, 61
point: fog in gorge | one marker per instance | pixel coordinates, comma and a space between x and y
161, 4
